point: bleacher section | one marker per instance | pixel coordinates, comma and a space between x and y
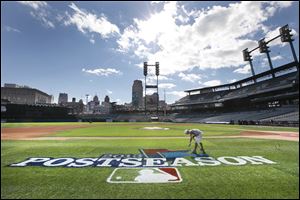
278, 83
257, 99
292, 117
263, 87
283, 113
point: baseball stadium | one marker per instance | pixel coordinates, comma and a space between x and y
249, 129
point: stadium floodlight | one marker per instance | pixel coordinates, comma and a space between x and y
263, 48
145, 69
156, 65
246, 55
157, 68
285, 34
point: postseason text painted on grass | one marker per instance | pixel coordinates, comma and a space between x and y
118, 162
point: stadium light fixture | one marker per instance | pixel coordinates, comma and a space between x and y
157, 68
263, 48
145, 69
151, 86
247, 57
286, 36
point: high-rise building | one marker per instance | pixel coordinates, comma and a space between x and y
24, 95
152, 99
96, 100
63, 98
106, 99
137, 94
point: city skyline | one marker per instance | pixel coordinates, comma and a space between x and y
98, 48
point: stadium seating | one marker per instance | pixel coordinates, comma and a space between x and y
255, 115
293, 116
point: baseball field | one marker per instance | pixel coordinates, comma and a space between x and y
20, 141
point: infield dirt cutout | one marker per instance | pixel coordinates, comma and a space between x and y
42, 133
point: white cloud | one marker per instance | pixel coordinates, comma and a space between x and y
278, 57
40, 12
155, 2
119, 101
102, 71
92, 40
150, 91
215, 39
232, 81
36, 5
212, 83
243, 70
166, 85
179, 94
90, 23
42, 16
154, 78
109, 91
11, 29
189, 77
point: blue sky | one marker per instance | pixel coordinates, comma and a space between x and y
98, 48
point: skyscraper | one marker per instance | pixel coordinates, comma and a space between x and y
96, 100
63, 98
137, 94
106, 99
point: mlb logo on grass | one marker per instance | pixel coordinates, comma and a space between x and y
145, 175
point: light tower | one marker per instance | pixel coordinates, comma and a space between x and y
263, 48
156, 65
285, 36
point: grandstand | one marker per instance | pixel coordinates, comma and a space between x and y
257, 99
292, 116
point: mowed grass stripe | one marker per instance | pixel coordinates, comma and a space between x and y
174, 126
136, 130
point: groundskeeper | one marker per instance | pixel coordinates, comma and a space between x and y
196, 135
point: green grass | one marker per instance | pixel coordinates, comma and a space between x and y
135, 129
280, 180
267, 181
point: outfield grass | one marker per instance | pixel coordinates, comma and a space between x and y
135, 130
138, 125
